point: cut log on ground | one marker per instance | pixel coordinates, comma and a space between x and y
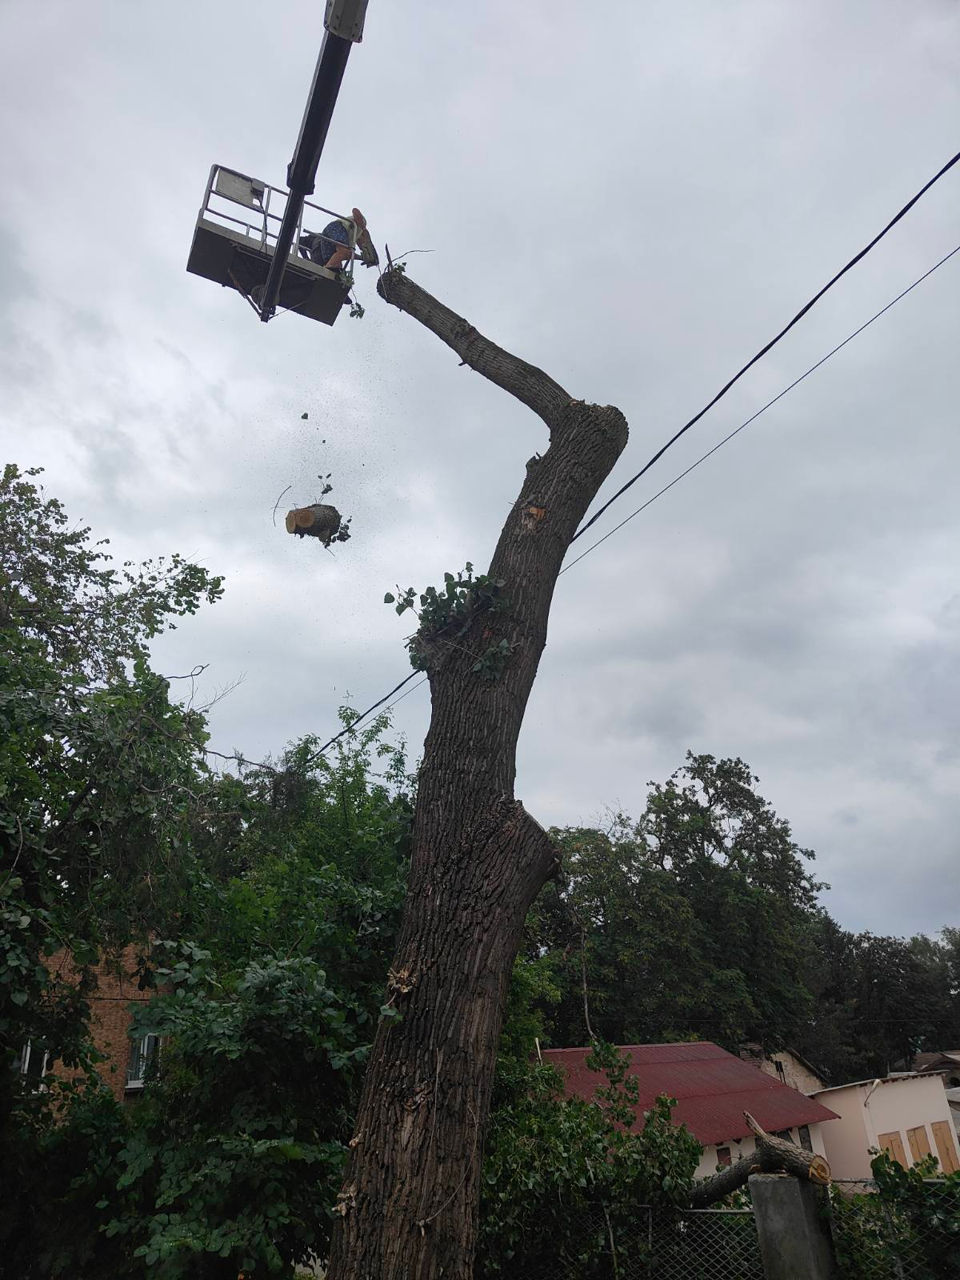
317, 521
773, 1155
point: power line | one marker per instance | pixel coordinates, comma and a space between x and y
676, 480
419, 682
315, 755
772, 343
753, 417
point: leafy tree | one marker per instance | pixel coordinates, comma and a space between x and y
879, 1000
701, 921
266, 1000
828, 1037
231, 1160
624, 941
99, 771
910, 1224
234, 1159
113, 827
693, 923
89, 619
746, 881
563, 1177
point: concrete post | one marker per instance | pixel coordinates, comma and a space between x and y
794, 1239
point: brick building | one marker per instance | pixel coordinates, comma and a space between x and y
126, 1063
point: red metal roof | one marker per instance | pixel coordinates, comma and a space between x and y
712, 1088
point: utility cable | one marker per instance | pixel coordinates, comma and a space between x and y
363, 715
676, 480
315, 755
753, 417
694, 420
772, 343
354, 724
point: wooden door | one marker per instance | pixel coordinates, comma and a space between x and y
919, 1142
943, 1136
892, 1144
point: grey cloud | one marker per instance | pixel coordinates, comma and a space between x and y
636, 205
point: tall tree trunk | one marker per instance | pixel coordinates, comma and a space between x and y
409, 1200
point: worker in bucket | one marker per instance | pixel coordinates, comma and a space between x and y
330, 247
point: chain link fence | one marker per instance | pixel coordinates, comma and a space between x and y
876, 1238
705, 1244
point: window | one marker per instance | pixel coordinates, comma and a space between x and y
34, 1065
892, 1144
945, 1139
805, 1142
780, 1071
723, 1157
143, 1058
919, 1142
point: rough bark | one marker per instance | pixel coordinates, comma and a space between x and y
409, 1200
773, 1155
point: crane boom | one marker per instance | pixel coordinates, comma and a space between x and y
343, 21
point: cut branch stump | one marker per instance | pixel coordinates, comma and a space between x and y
772, 1155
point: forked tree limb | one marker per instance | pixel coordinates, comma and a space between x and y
772, 1155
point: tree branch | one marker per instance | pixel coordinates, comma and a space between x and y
529, 384
773, 1155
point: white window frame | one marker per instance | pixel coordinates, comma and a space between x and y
146, 1048
26, 1054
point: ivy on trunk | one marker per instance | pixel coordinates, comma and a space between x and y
408, 1206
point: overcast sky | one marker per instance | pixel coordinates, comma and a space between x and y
634, 197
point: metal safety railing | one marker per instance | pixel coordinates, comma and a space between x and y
228, 191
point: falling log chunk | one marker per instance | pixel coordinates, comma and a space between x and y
316, 521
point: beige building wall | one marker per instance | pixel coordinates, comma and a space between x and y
907, 1116
846, 1141
709, 1160
791, 1070
795, 1074
953, 1098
